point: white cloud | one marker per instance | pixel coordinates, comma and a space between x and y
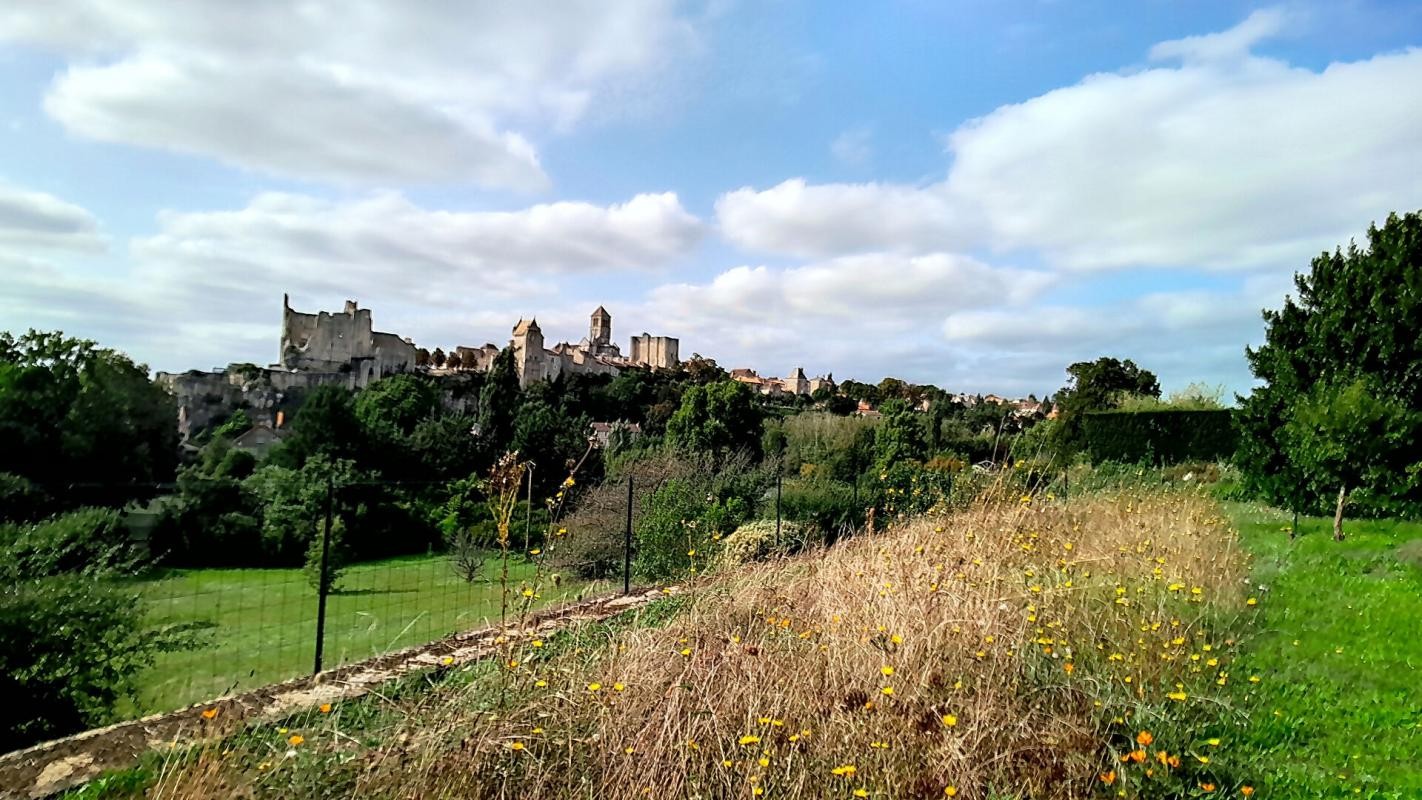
854, 147
838, 218
358, 92
206, 288
385, 246
1232, 44
1226, 161
35, 220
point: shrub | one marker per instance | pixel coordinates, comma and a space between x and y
69, 649
757, 541
90, 540
337, 556
824, 506
20, 498
1160, 437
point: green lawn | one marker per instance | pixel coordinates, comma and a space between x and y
1338, 648
260, 624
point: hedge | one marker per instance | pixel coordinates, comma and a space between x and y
1161, 437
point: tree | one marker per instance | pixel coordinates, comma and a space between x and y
1097, 386
422, 357
391, 408
325, 424
499, 402
455, 361
1355, 318
438, 358
718, 418
549, 437
900, 435
73, 413
1352, 437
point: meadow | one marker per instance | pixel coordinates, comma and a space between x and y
1146, 642
258, 626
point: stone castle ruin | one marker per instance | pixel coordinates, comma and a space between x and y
343, 348
341, 343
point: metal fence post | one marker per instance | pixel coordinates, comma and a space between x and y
323, 582
627, 544
1066, 484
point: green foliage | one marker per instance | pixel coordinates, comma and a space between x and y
20, 498
758, 540
900, 435
824, 506
1353, 437
551, 438
1097, 385
498, 402
74, 413
337, 556
1160, 437
1355, 317
838, 447
719, 418
234, 426
1195, 397
390, 409
72, 640
293, 503
325, 425
89, 541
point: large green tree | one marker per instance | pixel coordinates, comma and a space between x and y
83, 423
1097, 386
1355, 317
718, 418
499, 402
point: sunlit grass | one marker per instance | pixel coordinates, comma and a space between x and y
1338, 711
259, 625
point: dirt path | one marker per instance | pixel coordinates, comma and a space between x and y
52, 767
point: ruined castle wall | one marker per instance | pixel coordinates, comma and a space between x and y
656, 351
325, 341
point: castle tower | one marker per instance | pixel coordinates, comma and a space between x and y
600, 331
528, 351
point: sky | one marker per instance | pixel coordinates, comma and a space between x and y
968, 193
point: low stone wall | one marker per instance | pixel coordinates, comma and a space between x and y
46, 769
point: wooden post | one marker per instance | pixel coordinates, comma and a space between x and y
1338, 514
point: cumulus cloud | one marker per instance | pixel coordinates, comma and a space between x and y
812, 221
387, 245
1227, 160
30, 219
354, 92
206, 288
866, 315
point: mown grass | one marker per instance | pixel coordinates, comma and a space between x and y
258, 626
1338, 648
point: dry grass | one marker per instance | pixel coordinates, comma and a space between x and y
1011, 650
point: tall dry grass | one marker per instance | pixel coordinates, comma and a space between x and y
1010, 650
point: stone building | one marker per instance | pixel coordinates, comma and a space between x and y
660, 352
344, 342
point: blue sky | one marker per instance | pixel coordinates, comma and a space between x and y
967, 193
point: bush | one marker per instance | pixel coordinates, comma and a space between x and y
757, 541
827, 507
90, 540
337, 556
69, 649
20, 498
1160, 437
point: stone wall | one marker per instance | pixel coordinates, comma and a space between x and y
655, 351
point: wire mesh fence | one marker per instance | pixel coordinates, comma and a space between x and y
254, 626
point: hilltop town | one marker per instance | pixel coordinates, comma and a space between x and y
343, 348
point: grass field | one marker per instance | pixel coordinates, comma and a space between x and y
1338, 648
259, 625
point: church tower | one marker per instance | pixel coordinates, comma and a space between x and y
600, 331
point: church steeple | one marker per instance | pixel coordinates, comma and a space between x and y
600, 331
